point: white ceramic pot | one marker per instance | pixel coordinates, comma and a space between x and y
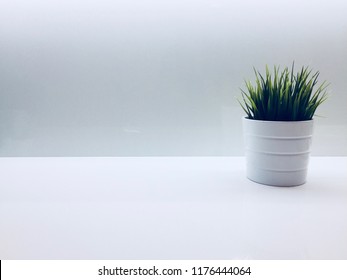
277, 152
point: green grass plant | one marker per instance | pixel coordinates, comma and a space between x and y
283, 96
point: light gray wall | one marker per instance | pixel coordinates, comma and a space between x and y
151, 77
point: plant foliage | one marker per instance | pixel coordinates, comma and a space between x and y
283, 96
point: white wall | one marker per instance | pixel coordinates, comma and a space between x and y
151, 77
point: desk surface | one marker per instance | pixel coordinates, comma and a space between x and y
168, 208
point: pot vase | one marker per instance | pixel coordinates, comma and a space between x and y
277, 152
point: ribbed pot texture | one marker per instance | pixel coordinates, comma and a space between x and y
277, 152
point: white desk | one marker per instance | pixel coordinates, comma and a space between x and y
168, 208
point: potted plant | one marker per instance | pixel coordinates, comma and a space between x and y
278, 127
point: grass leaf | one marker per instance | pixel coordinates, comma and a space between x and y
283, 96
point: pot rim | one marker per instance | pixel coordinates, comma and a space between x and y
284, 122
